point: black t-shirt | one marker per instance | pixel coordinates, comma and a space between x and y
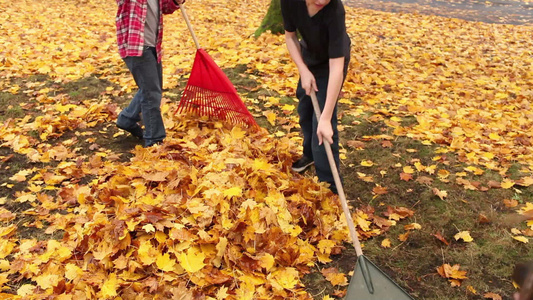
323, 35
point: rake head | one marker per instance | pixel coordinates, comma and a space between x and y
210, 93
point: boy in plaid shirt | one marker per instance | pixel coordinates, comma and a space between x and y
139, 35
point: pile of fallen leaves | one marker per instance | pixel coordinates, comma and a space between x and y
214, 211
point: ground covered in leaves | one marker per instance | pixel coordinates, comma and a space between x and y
437, 157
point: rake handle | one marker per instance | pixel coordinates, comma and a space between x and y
338, 183
186, 17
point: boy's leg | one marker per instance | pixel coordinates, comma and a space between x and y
305, 113
323, 170
147, 74
130, 116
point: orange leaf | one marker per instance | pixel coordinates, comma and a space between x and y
406, 176
441, 238
493, 296
380, 190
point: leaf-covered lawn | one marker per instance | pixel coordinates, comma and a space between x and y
435, 114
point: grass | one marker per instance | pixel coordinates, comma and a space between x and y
412, 263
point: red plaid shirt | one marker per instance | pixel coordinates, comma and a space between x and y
130, 19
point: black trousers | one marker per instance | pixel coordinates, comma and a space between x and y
309, 124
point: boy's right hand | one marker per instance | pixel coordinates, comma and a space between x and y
308, 82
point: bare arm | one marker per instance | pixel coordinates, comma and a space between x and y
324, 130
307, 78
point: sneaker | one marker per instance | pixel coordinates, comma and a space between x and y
136, 131
302, 164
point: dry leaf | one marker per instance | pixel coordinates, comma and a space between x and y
464, 235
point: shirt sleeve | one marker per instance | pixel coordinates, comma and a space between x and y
337, 33
169, 6
286, 13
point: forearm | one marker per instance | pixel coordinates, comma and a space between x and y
295, 51
336, 69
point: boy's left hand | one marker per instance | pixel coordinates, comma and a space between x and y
324, 131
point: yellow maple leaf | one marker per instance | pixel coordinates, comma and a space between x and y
443, 174
267, 261
386, 243
6, 247
26, 290
325, 246
222, 293
47, 281
233, 192
148, 228
464, 235
271, 117
237, 133
72, 271
408, 170
367, 163
288, 107
261, 164
193, 260
146, 252
284, 278
507, 183
412, 226
110, 286
451, 272
522, 239
164, 262
4, 265
335, 277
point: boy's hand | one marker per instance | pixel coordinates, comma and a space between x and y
324, 131
308, 82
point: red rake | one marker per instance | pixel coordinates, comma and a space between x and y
209, 92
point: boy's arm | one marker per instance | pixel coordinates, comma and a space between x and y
307, 78
336, 69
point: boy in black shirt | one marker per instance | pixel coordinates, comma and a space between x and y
322, 58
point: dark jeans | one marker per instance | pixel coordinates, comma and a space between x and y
148, 76
309, 124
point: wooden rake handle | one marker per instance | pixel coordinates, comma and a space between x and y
186, 17
338, 184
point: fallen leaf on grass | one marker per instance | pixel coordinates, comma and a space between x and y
471, 289
492, 296
334, 276
412, 226
424, 180
406, 176
464, 235
482, 219
452, 273
404, 236
507, 183
522, 239
367, 163
440, 194
356, 144
441, 238
380, 190
509, 203
386, 144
